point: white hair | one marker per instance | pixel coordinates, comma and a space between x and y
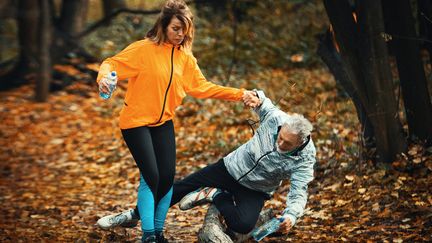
299, 125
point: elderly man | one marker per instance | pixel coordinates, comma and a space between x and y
240, 183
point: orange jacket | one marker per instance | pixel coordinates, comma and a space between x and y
160, 76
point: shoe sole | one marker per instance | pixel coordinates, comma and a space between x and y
124, 225
104, 228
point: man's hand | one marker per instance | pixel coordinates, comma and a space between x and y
285, 226
251, 99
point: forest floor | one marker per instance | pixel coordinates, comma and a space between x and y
63, 164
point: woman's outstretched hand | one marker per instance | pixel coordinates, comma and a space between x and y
251, 99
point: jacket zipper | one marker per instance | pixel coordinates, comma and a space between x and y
256, 164
169, 84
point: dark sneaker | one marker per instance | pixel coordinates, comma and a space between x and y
161, 239
149, 239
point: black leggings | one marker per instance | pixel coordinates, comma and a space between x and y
239, 205
154, 151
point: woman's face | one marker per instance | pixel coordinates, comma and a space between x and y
175, 32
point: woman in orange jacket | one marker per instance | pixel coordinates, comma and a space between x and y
160, 70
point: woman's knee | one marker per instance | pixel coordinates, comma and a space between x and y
166, 177
165, 185
150, 179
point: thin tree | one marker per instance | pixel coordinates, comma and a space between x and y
110, 6
418, 107
364, 55
27, 17
73, 16
44, 77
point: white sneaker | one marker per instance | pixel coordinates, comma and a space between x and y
198, 197
126, 219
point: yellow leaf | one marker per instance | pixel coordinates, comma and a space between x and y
181, 218
376, 207
412, 152
341, 202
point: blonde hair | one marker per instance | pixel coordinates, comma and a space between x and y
178, 9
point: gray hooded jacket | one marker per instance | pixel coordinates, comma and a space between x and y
259, 166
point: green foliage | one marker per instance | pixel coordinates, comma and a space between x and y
277, 34
270, 34
8, 40
122, 31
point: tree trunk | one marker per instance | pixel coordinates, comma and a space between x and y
346, 33
418, 108
213, 231
28, 17
424, 14
340, 14
27, 20
44, 79
73, 16
364, 56
7, 9
331, 57
60, 40
72, 20
388, 129
109, 6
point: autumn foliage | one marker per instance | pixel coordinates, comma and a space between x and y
63, 164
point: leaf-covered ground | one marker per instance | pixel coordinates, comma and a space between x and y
63, 164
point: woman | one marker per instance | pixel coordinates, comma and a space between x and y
161, 71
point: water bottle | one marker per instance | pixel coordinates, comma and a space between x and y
267, 228
112, 83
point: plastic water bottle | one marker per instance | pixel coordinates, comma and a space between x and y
267, 228
112, 83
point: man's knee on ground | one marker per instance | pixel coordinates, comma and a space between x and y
241, 226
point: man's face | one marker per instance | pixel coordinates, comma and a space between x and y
287, 141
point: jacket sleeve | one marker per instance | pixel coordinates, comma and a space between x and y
126, 63
196, 85
297, 196
266, 109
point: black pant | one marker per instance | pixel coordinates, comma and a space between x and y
154, 151
239, 205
